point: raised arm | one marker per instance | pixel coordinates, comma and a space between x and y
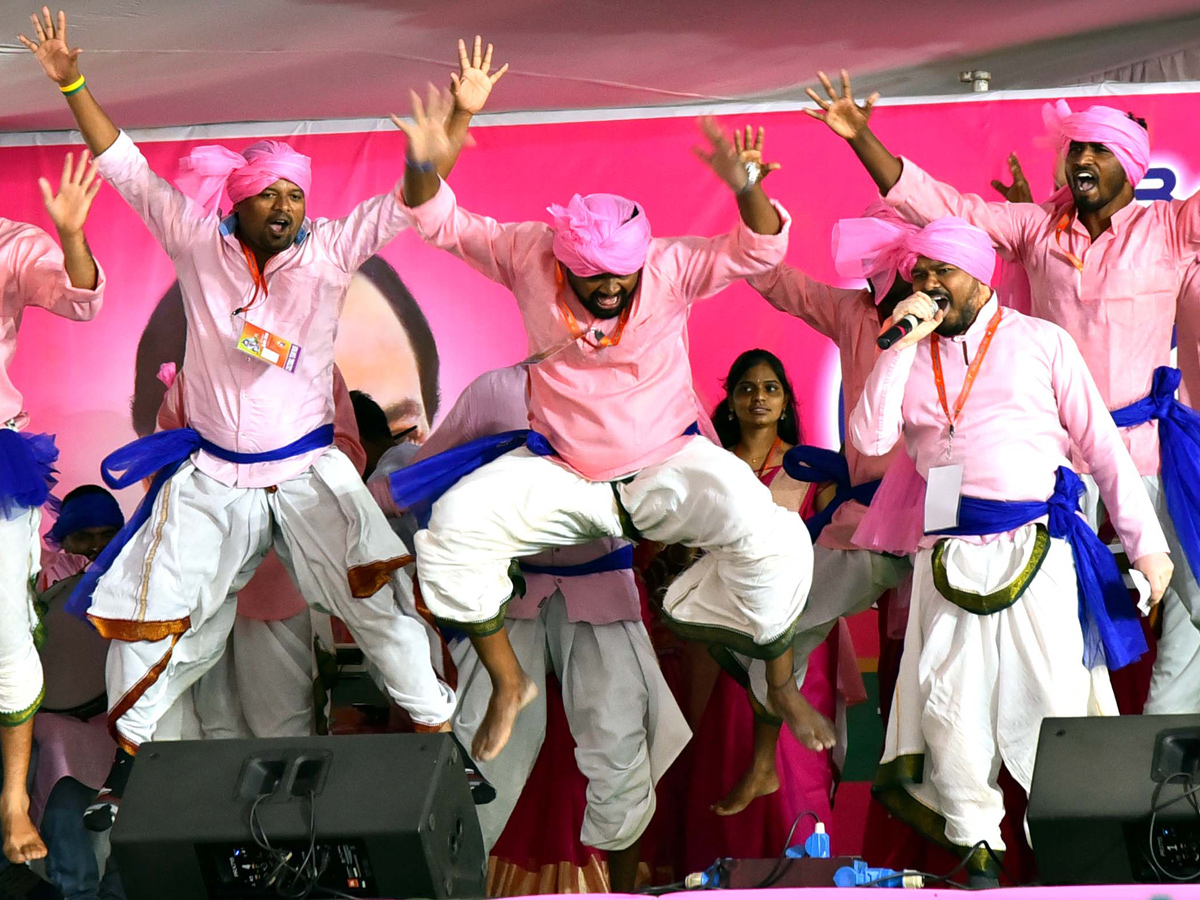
743, 176
1087, 420
913, 193
471, 86
61, 65
68, 208
818, 304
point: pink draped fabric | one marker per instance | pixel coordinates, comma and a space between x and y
600, 233
1128, 141
210, 171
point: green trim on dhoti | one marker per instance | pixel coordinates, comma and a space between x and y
478, 629
21, 716
890, 789
730, 639
999, 599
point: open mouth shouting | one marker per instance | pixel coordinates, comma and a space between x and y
1085, 181
278, 225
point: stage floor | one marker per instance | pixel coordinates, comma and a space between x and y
1085, 892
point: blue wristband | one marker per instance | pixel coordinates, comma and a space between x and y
426, 166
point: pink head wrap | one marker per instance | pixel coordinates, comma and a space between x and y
208, 172
872, 246
600, 233
1128, 140
951, 240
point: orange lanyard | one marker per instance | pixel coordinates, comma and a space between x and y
260, 281
972, 371
1063, 224
578, 331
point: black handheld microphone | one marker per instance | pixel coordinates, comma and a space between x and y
904, 326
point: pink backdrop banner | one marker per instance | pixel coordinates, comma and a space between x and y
79, 379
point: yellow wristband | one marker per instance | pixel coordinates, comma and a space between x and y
73, 86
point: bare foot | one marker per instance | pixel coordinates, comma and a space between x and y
22, 842
757, 781
502, 711
811, 728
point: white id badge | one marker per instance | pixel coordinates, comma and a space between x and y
943, 492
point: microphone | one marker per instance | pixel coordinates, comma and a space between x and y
905, 325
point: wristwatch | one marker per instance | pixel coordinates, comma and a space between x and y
753, 174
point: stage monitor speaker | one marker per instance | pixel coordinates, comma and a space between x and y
1094, 791
384, 816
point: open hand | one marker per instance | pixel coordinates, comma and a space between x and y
76, 190
749, 150
59, 61
840, 112
428, 140
1158, 568
1018, 191
920, 306
725, 158
472, 84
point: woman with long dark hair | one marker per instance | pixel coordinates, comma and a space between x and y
758, 421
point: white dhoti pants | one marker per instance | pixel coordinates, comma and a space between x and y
973, 689
627, 726
746, 591
1175, 680
20, 668
845, 582
263, 685
180, 574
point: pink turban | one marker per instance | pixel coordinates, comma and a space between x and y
208, 172
951, 240
1128, 140
872, 247
600, 233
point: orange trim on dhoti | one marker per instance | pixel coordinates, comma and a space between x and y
427, 729
131, 630
367, 580
134, 694
449, 670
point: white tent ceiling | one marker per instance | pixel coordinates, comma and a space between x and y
181, 62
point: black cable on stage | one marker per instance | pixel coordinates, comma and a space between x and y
780, 866
1155, 809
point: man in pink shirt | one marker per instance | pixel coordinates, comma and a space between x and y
989, 408
262, 290
1107, 270
34, 272
613, 416
580, 619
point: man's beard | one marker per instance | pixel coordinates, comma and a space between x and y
601, 312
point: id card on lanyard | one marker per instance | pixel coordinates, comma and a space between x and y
257, 341
943, 487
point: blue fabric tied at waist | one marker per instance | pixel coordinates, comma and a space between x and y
1179, 443
816, 464
417, 487
160, 455
26, 469
1112, 631
616, 561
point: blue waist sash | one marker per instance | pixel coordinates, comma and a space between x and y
1179, 443
160, 455
1111, 628
26, 469
618, 560
417, 487
815, 464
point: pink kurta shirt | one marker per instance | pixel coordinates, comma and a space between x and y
1118, 303
1033, 398
32, 274
234, 400
1188, 342
848, 318
496, 402
611, 411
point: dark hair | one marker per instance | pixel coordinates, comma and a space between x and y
372, 420
83, 490
725, 421
1139, 120
164, 339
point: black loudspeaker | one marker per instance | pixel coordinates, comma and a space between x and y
1116, 800
385, 816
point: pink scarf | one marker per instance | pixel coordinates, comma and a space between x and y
951, 240
1128, 141
872, 247
210, 171
600, 233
